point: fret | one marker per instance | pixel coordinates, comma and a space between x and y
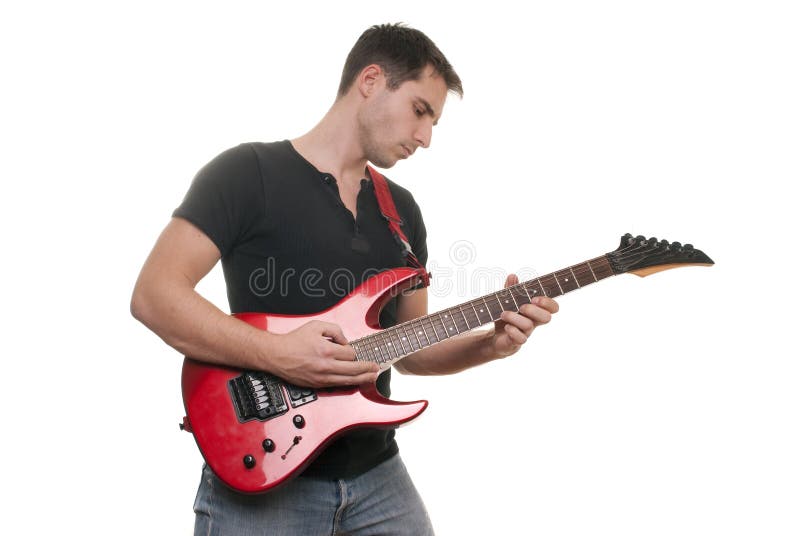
359, 356
499, 304
405, 344
368, 355
438, 327
402, 338
539, 280
397, 344
420, 330
432, 327
494, 307
602, 267
455, 320
449, 330
528, 294
367, 345
575, 278
520, 298
553, 288
441, 332
582, 275
464, 316
555, 278
565, 281
484, 314
382, 350
408, 330
475, 314
532, 292
372, 348
425, 331
379, 347
589, 264
390, 348
416, 332
471, 315
516, 305
394, 342
506, 304
412, 336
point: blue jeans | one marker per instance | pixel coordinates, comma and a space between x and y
381, 501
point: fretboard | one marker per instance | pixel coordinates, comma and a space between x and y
392, 344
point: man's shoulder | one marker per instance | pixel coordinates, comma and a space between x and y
401, 195
279, 146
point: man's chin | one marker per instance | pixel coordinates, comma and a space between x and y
384, 163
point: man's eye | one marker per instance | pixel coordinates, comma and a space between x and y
420, 112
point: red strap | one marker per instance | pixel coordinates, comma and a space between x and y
389, 211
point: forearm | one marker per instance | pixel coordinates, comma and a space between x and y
164, 299
195, 327
450, 356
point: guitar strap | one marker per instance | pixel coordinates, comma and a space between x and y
389, 211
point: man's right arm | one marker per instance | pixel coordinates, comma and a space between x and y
165, 300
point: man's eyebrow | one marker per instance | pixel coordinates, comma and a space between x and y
428, 109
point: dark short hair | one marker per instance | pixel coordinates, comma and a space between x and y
402, 52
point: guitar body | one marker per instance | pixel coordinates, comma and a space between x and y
254, 449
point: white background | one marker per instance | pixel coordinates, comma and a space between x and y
666, 405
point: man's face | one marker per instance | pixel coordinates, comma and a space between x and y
394, 123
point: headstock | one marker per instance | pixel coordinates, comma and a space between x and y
644, 256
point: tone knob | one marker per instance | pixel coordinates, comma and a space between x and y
249, 461
299, 421
268, 445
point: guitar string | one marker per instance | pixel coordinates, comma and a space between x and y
623, 254
429, 320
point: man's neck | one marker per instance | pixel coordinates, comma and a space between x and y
332, 146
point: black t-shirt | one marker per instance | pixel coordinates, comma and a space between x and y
290, 246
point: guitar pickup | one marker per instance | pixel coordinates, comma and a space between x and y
257, 395
300, 395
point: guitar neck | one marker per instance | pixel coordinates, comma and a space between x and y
392, 344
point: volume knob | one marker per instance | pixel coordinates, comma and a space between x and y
249, 461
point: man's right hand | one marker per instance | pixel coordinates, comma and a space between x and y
317, 355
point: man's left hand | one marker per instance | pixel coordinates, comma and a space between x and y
513, 329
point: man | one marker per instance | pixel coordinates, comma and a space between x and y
288, 220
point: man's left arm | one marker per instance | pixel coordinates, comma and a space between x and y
475, 347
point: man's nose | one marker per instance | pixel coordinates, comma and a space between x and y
424, 134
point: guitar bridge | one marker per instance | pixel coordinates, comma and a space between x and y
259, 395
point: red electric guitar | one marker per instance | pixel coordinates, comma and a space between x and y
257, 431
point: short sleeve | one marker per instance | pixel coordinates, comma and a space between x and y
225, 198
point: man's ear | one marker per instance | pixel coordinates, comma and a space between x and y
370, 79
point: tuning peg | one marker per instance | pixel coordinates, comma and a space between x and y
675, 245
688, 247
664, 244
626, 240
